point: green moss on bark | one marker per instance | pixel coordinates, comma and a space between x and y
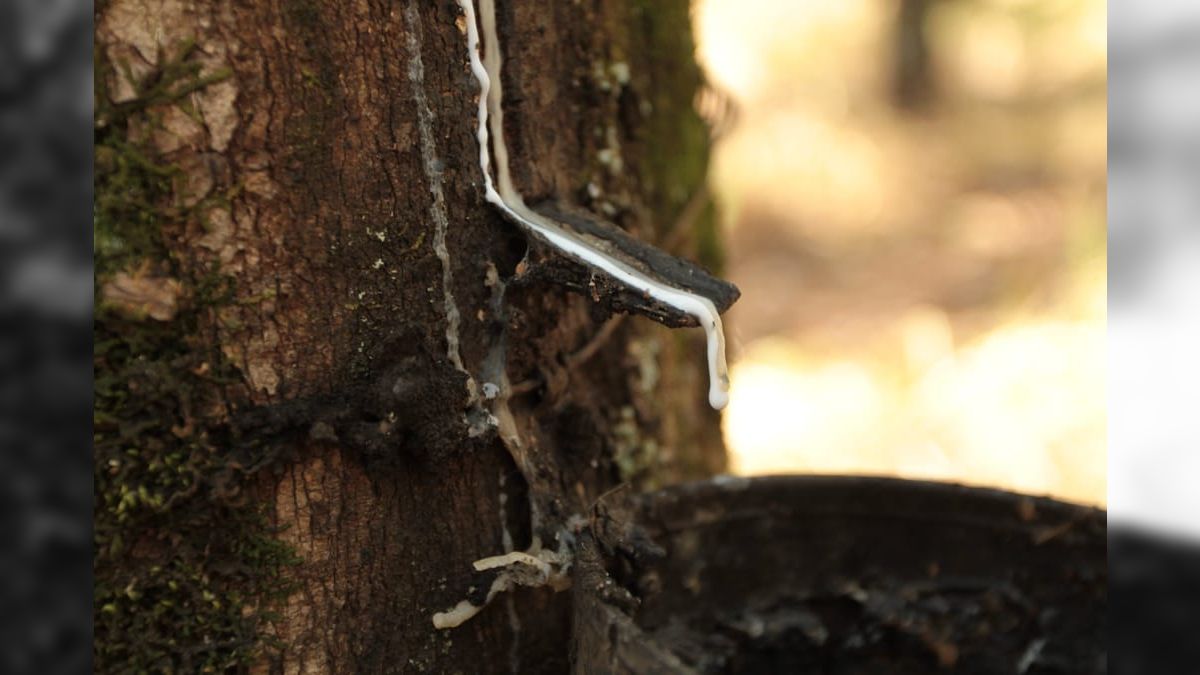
677, 167
186, 569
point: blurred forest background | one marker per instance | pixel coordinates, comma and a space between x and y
913, 194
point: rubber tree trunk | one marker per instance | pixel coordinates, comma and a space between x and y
913, 85
298, 291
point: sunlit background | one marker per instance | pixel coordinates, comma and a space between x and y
914, 196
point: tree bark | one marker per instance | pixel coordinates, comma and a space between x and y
323, 161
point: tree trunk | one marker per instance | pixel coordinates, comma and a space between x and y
302, 301
912, 76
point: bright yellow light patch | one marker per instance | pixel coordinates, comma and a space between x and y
924, 289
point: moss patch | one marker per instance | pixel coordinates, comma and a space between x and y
186, 568
677, 165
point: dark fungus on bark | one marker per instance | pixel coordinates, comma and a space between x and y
399, 409
632, 252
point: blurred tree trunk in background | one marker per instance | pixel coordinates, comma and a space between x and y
273, 366
912, 78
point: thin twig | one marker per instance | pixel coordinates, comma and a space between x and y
576, 358
593, 345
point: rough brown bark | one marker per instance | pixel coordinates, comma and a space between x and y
320, 168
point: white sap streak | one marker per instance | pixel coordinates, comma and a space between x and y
535, 568
508, 200
437, 208
514, 623
495, 97
495, 373
456, 615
